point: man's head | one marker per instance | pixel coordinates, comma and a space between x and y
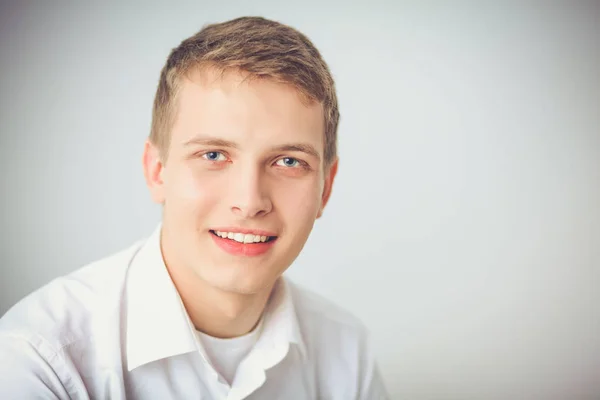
262, 48
242, 146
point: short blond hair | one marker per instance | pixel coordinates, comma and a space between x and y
263, 49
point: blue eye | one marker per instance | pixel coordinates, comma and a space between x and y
288, 162
214, 156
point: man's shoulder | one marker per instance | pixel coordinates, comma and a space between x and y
68, 307
323, 314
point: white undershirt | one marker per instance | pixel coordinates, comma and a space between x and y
226, 354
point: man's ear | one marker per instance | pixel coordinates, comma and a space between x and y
153, 169
330, 173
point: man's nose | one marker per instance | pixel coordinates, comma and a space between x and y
250, 194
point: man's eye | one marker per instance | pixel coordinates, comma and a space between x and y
214, 156
288, 162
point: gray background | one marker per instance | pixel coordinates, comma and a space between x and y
464, 227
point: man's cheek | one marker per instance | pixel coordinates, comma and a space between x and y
303, 205
195, 187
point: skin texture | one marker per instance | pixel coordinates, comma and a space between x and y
244, 154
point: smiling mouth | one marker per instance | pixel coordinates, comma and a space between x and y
246, 238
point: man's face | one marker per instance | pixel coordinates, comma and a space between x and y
245, 161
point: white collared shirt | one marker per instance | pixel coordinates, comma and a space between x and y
117, 329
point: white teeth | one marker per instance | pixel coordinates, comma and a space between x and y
242, 238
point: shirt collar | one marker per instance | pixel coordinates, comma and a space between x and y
281, 325
158, 325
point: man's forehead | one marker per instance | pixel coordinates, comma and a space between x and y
209, 77
230, 100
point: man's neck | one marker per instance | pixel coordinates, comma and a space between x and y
219, 313
213, 311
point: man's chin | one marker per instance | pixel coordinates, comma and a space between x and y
245, 285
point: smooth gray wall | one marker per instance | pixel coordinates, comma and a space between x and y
464, 226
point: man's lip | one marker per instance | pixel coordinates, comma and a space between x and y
258, 232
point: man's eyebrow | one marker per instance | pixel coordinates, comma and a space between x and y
216, 142
211, 141
302, 147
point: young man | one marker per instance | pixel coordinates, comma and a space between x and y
242, 156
